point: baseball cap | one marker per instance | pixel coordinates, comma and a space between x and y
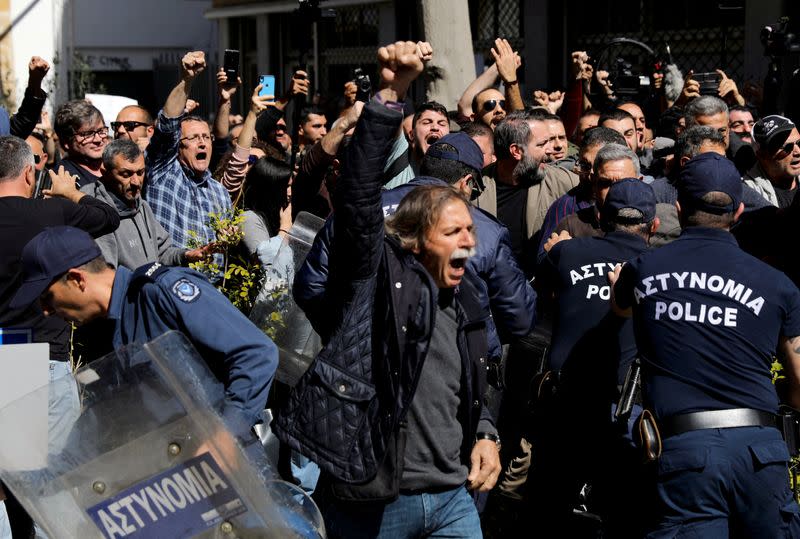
707, 173
466, 150
630, 193
48, 256
770, 132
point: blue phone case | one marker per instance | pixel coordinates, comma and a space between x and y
268, 85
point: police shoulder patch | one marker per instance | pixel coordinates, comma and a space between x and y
186, 290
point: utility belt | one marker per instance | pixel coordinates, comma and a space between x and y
652, 431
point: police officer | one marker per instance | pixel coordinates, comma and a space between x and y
65, 270
590, 352
708, 319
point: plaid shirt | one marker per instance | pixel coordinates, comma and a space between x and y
180, 200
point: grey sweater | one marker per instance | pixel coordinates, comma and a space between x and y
140, 239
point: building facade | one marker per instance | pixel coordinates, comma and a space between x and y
702, 35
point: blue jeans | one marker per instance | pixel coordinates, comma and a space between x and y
445, 514
64, 408
5, 525
306, 471
64, 405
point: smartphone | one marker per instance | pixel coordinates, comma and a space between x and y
231, 65
267, 83
43, 181
709, 82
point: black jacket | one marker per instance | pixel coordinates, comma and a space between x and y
346, 411
504, 288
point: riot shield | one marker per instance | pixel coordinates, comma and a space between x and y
150, 456
275, 311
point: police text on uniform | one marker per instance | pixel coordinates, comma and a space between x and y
698, 312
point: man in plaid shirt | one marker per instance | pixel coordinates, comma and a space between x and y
180, 189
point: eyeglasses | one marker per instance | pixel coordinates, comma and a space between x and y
490, 104
195, 139
789, 146
129, 126
83, 136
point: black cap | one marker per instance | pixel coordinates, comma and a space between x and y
770, 132
630, 193
466, 151
48, 256
707, 173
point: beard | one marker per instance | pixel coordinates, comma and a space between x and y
528, 170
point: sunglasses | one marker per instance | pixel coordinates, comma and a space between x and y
251, 159
490, 104
789, 146
129, 126
37, 158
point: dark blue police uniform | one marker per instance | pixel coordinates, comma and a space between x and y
707, 319
590, 353
155, 299
576, 270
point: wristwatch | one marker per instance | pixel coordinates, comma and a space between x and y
488, 436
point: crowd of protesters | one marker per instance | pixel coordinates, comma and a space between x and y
470, 285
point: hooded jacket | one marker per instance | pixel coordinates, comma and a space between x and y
140, 239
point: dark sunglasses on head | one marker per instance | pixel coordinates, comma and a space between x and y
251, 159
129, 126
490, 104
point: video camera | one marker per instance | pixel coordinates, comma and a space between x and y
626, 83
777, 40
629, 81
363, 85
309, 10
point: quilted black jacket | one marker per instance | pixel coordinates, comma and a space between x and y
348, 407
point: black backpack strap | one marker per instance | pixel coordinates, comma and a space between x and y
397, 166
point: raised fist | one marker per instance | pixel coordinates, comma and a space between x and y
400, 64
425, 51
37, 69
193, 63
581, 68
191, 105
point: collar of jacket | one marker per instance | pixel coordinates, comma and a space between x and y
124, 210
414, 307
466, 294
